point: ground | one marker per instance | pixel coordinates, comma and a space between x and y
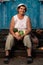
22, 61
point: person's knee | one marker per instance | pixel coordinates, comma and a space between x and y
10, 36
27, 41
9, 42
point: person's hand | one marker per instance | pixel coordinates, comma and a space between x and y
18, 36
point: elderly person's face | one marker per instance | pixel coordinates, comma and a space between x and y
21, 10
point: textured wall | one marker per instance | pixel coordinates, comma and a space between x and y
41, 16
8, 9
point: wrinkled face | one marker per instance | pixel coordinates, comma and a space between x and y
21, 10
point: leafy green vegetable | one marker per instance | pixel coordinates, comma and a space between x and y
21, 32
15, 30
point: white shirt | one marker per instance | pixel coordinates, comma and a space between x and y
20, 24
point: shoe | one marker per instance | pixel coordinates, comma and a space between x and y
29, 59
6, 60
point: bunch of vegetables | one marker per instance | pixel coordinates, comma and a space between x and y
18, 32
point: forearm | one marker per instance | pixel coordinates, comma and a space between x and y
13, 34
27, 31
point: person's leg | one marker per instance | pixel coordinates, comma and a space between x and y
8, 46
27, 43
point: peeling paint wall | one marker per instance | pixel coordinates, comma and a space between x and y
8, 9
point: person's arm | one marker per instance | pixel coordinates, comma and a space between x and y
12, 26
28, 30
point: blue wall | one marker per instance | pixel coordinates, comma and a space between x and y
8, 9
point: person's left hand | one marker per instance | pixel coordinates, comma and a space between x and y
18, 36
21, 36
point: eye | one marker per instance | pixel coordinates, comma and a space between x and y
22, 9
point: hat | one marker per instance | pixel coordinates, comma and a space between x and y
21, 5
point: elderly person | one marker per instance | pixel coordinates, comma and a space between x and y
21, 22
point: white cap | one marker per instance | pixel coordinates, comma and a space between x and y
21, 5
